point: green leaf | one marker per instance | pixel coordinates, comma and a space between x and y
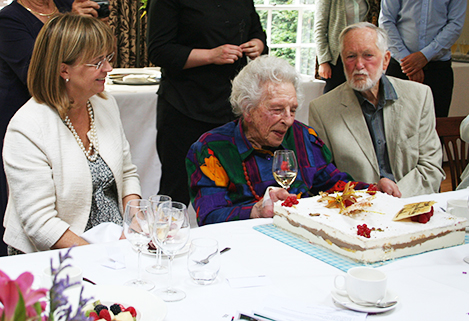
20, 311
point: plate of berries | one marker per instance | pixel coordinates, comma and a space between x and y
123, 303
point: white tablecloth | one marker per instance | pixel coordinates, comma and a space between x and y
430, 286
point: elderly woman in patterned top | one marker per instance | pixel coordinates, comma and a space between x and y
66, 157
230, 167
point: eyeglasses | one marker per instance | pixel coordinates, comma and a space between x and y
101, 62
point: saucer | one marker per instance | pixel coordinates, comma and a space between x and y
345, 301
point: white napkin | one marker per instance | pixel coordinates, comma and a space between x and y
103, 233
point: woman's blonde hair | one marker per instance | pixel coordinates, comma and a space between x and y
69, 39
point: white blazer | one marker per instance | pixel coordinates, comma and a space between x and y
50, 187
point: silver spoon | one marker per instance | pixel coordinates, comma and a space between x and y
377, 304
207, 259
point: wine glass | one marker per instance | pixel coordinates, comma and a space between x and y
137, 232
171, 232
285, 168
157, 201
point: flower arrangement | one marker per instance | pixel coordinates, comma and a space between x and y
19, 302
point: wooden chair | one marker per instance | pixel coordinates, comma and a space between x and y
455, 148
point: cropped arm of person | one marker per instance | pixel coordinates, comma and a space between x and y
464, 129
85, 8
32, 187
16, 45
427, 175
388, 21
321, 26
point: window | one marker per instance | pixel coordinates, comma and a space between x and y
289, 28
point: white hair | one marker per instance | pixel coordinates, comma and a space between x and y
381, 36
248, 85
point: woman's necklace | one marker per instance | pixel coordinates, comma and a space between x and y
251, 188
47, 15
93, 137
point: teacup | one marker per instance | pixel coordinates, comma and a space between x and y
362, 284
458, 208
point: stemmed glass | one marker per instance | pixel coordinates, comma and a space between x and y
157, 202
137, 232
285, 167
171, 232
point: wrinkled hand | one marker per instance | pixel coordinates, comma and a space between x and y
413, 63
85, 8
225, 54
418, 76
387, 186
325, 70
252, 48
265, 207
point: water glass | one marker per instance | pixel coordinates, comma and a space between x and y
203, 261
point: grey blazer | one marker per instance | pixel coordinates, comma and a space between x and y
414, 148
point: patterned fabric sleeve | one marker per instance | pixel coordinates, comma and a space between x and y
210, 188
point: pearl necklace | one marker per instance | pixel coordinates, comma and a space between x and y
93, 137
47, 15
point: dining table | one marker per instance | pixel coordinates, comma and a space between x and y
264, 273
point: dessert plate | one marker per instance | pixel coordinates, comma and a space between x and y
148, 305
345, 301
135, 78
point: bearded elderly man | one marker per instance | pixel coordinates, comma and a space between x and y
230, 167
379, 127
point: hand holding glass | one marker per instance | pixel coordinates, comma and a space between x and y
137, 232
171, 233
285, 168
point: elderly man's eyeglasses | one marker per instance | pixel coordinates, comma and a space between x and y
101, 62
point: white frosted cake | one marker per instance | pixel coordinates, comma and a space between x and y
389, 239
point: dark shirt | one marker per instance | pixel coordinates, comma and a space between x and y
175, 27
375, 120
18, 31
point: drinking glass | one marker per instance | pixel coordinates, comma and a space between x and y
285, 168
137, 232
171, 232
157, 202
203, 261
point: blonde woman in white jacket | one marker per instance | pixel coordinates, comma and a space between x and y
67, 160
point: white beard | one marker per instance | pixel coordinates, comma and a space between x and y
363, 85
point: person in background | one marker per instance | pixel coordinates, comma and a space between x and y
379, 127
20, 23
66, 158
331, 17
464, 132
200, 46
230, 167
421, 34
